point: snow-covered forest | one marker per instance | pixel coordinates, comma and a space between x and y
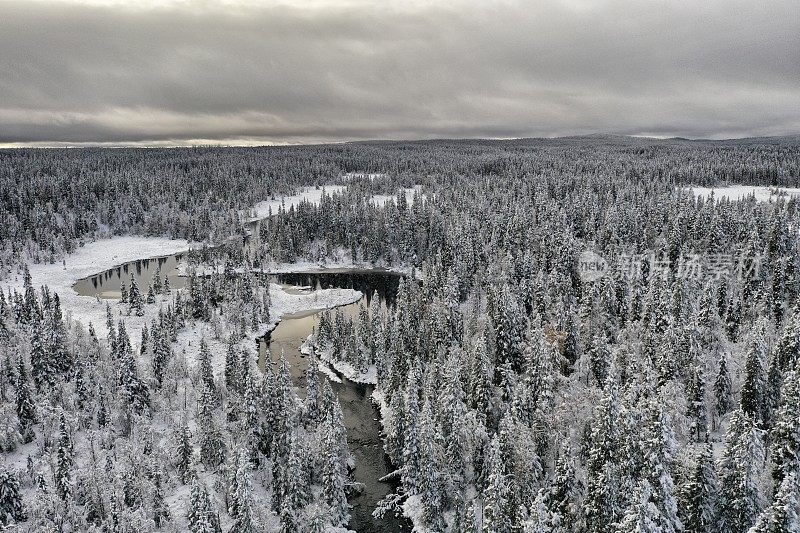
579, 342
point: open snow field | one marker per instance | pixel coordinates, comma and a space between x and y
265, 208
381, 199
762, 193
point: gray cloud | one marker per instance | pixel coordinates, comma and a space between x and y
80, 72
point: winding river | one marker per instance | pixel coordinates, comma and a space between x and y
361, 417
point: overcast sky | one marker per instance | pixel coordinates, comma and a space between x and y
245, 72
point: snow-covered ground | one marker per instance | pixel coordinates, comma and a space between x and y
93, 258
311, 194
104, 254
762, 193
370, 377
381, 199
362, 175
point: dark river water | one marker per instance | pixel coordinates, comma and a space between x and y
361, 416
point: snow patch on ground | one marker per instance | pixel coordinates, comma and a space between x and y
370, 377
311, 194
93, 258
762, 193
350, 176
308, 348
381, 199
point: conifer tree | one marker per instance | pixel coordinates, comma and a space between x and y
243, 519
135, 393
25, 407
722, 388
157, 285
785, 445
333, 477
642, 515
311, 408
740, 495
496, 495
604, 483
161, 515
783, 515
64, 461
202, 516
42, 368
135, 298
11, 509
699, 494
232, 366
206, 370
788, 346
183, 452
162, 352
212, 451
753, 401
696, 406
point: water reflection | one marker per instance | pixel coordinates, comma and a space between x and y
107, 284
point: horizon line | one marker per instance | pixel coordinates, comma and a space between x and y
261, 143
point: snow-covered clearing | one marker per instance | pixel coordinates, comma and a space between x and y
93, 258
381, 199
310, 194
762, 193
350, 176
105, 254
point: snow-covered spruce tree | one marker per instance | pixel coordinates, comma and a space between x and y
334, 475
783, 515
642, 515
722, 389
739, 468
183, 451
11, 509
157, 285
496, 517
243, 517
203, 517
232, 366
785, 433
206, 370
25, 406
209, 439
136, 306
602, 500
696, 410
698, 497
64, 461
753, 401
659, 448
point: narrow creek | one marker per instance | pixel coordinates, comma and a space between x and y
361, 417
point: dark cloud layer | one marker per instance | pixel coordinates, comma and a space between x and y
83, 72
